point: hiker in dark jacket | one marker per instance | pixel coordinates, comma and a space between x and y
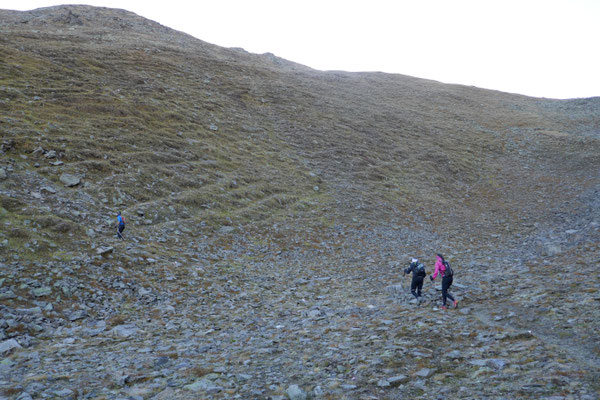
443, 268
418, 275
120, 225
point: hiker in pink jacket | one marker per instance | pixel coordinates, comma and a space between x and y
443, 268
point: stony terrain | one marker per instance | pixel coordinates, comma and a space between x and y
271, 209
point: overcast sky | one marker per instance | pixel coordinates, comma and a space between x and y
542, 48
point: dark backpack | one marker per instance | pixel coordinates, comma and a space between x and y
449, 271
420, 270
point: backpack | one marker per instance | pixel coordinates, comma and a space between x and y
420, 270
449, 271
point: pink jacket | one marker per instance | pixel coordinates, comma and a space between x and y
439, 268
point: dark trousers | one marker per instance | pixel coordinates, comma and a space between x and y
446, 283
416, 285
120, 230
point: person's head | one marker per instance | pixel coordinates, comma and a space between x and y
415, 260
118, 213
441, 257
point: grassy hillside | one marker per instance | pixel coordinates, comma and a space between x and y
150, 116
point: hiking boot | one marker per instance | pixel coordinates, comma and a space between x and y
455, 303
444, 308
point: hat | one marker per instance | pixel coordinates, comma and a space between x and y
415, 260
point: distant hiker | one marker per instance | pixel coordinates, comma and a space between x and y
443, 268
120, 225
418, 275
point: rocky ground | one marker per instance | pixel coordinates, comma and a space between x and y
270, 210
251, 319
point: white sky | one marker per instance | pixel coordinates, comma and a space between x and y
542, 48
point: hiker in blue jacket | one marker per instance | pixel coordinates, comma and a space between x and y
120, 225
418, 275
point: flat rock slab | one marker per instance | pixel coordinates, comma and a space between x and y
70, 180
9, 345
425, 373
43, 291
104, 250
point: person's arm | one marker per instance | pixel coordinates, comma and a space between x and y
437, 270
407, 270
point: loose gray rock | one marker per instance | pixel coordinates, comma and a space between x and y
454, 355
395, 289
425, 373
104, 250
124, 331
30, 311
64, 393
166, 394
43, 291
37, 152
70, 180
295, 393
398, 380
77, 315
204, 385
48, 189
497, 364
383, 383
3, 174
9, 345
318, 391
8, 295
551, 249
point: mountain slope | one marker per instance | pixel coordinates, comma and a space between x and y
270, 204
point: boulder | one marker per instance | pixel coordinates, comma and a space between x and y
70, 180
